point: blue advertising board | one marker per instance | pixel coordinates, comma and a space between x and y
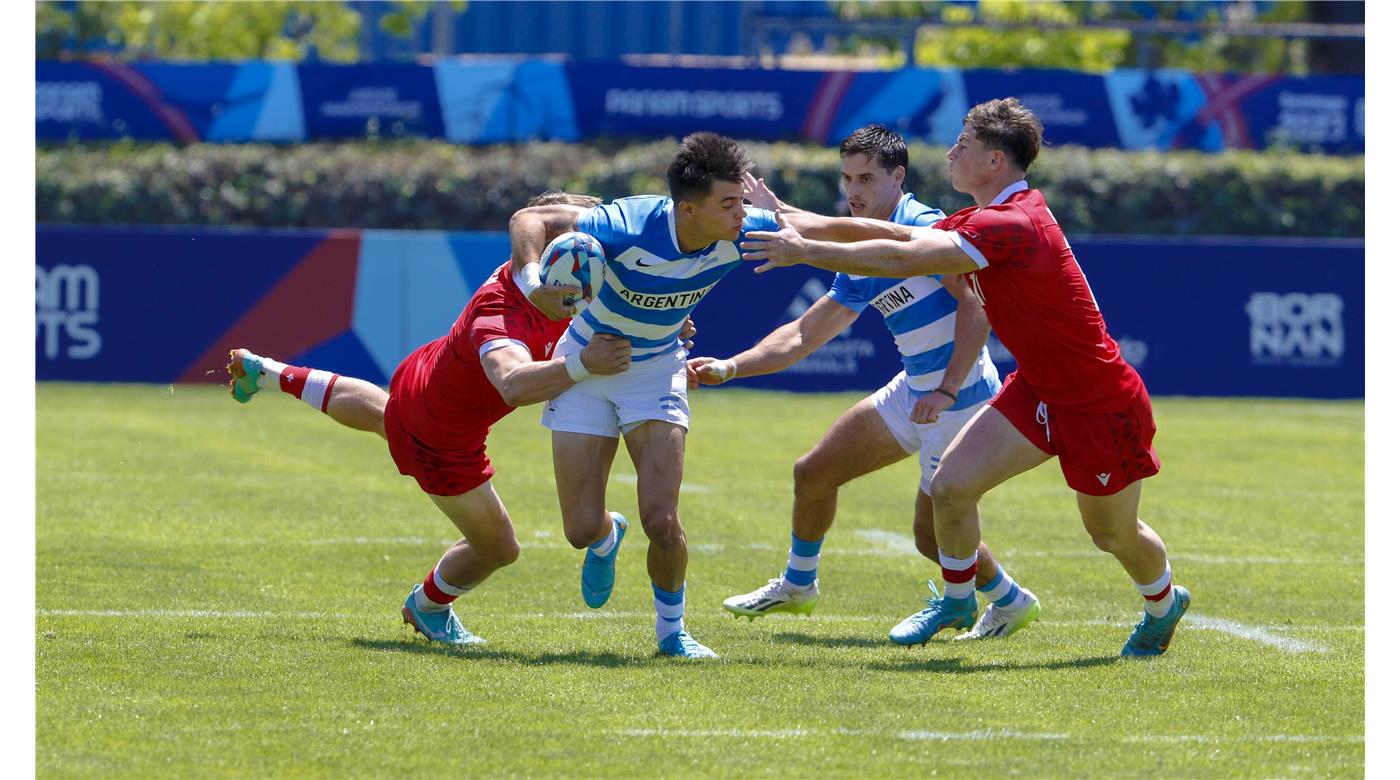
1228, 317
496, 100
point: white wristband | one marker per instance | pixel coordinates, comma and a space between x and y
574, 365
724, 369
528, 278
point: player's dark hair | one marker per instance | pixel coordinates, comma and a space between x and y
703, 158
1009, 126
883, 145
558, 198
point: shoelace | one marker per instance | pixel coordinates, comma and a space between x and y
1144, 631
774, 589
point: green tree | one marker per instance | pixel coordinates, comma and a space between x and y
215, 30
1056, 34
949, 45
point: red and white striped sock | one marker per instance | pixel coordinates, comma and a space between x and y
312, 385
436, 594
959, 575
1159, 594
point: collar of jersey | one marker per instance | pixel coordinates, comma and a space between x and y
1011, 189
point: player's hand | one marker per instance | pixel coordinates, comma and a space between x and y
786, 247
757, 193
927, 409
688, 333
550, 300
606, 353
709, 371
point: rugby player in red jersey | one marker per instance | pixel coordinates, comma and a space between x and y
441, 403
1073, 396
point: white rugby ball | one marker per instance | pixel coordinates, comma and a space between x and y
575, 259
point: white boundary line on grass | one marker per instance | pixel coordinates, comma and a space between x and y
627, 478
935, 736
1255, 634
977, 735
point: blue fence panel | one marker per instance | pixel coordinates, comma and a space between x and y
1196, 317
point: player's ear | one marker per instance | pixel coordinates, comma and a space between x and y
899, 174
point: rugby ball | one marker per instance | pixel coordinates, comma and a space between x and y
574, 259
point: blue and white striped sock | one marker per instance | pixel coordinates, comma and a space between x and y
801, 569
670, 611
1002, 590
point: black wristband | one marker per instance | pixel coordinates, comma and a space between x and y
953, 396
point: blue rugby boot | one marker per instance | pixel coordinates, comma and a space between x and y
599, 571
1152, 634
437, 626
683, 645
941, 613
243, 368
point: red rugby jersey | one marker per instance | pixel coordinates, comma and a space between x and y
1039, 303
443, 381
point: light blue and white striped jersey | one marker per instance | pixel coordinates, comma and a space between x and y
920, 313
650, 284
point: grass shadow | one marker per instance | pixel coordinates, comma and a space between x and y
831, 641
958, 666
487, 652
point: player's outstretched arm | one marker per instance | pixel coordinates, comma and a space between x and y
522, 381
845, 229
785, 346
816, 226
926, 252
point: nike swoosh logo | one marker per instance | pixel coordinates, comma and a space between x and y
641, 264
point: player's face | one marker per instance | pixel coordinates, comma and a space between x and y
720, 215
970, 163
871, 190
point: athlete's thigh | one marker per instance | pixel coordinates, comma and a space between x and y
858, 442
1118, 512
936, 437
653, 389
581, 465
479, 514
988, 451
658, 453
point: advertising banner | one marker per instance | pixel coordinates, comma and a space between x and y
490, 101
1217, 317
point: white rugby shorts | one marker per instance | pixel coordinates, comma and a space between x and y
652, 389
895, 401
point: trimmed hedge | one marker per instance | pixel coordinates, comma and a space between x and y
436, 185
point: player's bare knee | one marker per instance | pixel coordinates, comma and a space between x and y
811, 474
581, 534
1107, 539
664, 529
504, 552
948, 492
925, 542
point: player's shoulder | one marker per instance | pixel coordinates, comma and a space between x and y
631, 216
911, 211
642, 206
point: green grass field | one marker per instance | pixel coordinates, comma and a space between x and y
219, 590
